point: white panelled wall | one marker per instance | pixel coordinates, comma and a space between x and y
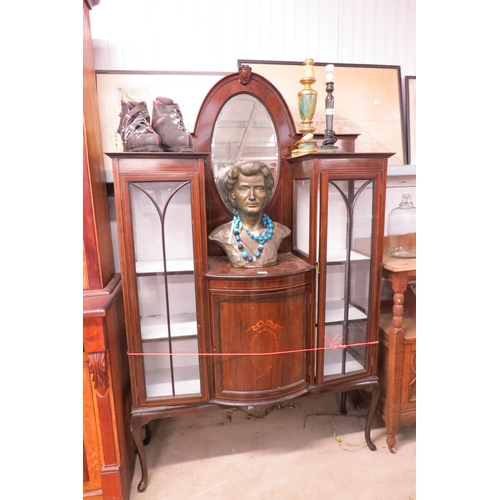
211, 35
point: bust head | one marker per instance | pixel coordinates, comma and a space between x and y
251, 239
248, 186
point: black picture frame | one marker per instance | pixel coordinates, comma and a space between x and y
411, 118
368, 101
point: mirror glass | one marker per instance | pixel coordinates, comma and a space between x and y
244, 130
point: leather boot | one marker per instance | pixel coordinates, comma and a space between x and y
135, 128
169, 125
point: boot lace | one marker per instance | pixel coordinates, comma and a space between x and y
136, 123
176, 117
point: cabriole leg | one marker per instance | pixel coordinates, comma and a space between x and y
136, 426
343, 403
374, 388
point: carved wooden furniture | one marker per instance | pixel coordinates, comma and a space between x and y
278, 321
398, 349
201, 333
108, 451
160, 205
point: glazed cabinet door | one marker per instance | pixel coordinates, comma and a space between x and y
345, 276
162, 237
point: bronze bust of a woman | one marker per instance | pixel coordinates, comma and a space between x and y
251, 239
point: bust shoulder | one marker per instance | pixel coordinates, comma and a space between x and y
225, 238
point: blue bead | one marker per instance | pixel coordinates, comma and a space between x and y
257, 255
244, 254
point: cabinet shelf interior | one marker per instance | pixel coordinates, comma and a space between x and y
159, 365
333, 363
182, 325
145, 267
339, 255
334, 312
159, 383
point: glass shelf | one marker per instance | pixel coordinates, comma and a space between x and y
156, 266
159, 384
334, 311
339, 255
333, 363
158, 368
181, 325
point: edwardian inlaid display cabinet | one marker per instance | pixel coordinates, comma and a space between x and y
202, 333
160, 204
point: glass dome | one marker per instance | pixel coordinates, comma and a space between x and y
402, 230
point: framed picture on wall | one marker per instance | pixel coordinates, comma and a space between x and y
187, 89
411, 118
368, 101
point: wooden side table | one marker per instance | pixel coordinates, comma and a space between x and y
397, 349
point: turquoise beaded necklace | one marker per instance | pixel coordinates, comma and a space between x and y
267, 234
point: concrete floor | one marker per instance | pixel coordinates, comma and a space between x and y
301, 449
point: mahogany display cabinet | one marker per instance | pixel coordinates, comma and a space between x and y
204, 334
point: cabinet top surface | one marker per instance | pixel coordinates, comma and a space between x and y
340, 155
154, 155
287, 264
398, 265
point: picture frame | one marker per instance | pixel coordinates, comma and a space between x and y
187, 89
368, 101
411, 118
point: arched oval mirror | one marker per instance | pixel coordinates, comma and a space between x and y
243, 131
231, 99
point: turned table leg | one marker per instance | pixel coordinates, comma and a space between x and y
396, 358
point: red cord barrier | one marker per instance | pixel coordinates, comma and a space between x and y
330, 346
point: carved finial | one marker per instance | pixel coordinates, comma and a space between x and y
245, 74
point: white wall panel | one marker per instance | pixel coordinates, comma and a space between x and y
210, 35
290, 37
328, 29
276, 26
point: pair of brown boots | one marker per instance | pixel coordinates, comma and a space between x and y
166, 133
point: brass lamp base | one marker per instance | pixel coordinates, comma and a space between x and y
306, 145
